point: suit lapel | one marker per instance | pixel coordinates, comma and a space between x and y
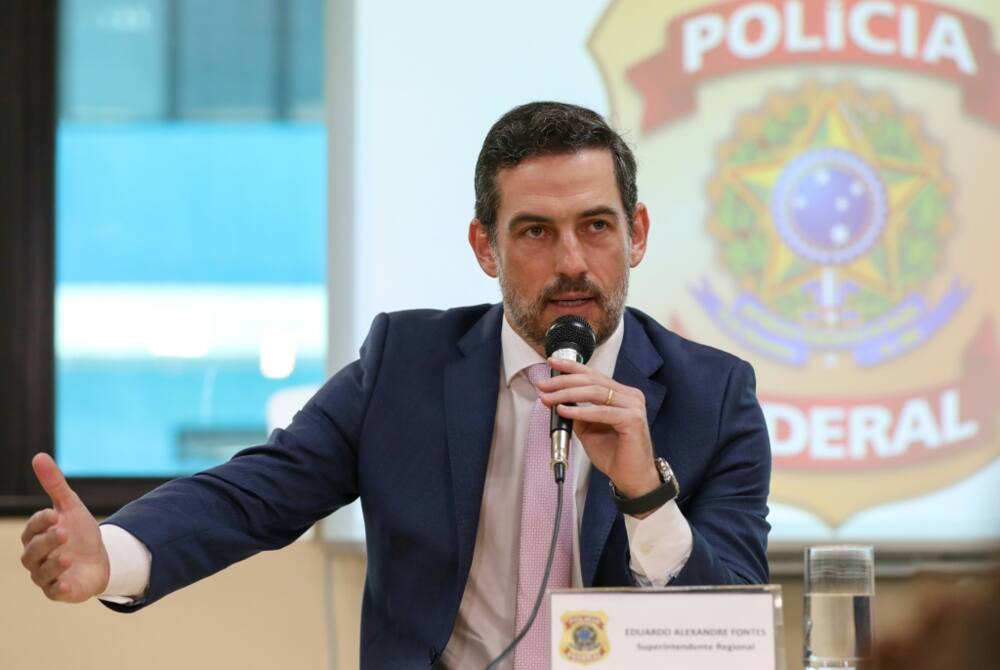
637, 360
470, 394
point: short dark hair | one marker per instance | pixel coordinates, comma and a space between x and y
547, 128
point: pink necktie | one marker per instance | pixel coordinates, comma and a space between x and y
538, 508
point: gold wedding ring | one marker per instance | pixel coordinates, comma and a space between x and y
611, 394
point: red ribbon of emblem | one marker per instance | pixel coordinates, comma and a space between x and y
668, 85
975, 387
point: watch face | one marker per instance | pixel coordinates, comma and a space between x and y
666, 474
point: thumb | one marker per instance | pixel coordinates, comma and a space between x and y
52, 480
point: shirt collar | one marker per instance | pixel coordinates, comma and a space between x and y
518, 354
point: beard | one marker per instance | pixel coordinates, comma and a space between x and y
525, 315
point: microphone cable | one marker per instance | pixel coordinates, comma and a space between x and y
560, 477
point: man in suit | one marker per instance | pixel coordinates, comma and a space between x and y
437, 427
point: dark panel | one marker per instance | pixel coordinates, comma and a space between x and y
27, 153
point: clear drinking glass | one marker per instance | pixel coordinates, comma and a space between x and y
839, 593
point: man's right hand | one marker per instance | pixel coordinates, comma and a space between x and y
63, 549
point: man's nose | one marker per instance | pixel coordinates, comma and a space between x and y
571, 259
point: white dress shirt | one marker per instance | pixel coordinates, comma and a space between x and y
660, 544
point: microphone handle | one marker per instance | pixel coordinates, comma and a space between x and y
561, 428
558, 422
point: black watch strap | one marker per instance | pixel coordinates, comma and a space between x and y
661, 495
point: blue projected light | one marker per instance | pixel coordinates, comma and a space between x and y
190, 202
190, 289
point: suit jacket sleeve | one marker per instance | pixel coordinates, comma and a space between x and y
728, 512
265, 496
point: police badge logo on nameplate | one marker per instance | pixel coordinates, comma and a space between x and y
701, 628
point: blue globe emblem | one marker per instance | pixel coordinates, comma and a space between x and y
829, 206
584, 638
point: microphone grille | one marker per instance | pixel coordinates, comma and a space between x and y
571, 332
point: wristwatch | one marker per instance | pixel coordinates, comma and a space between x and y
661, 495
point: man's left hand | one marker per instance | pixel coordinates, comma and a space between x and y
611, 426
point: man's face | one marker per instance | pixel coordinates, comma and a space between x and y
562, 243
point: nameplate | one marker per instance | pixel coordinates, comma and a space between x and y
681, 628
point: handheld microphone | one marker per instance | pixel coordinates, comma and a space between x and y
569, 337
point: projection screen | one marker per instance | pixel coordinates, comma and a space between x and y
820, 179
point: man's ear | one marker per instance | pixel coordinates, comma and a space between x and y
479, 240
640, 233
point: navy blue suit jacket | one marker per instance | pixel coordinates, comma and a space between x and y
408, 428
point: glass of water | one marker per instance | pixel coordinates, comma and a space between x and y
839, 590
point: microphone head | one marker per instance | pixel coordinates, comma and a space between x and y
571, 332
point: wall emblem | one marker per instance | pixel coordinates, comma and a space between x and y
819, 172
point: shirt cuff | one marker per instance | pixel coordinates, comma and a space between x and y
660, 545
129, 561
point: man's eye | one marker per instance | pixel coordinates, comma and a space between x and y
534, 231
599, 225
